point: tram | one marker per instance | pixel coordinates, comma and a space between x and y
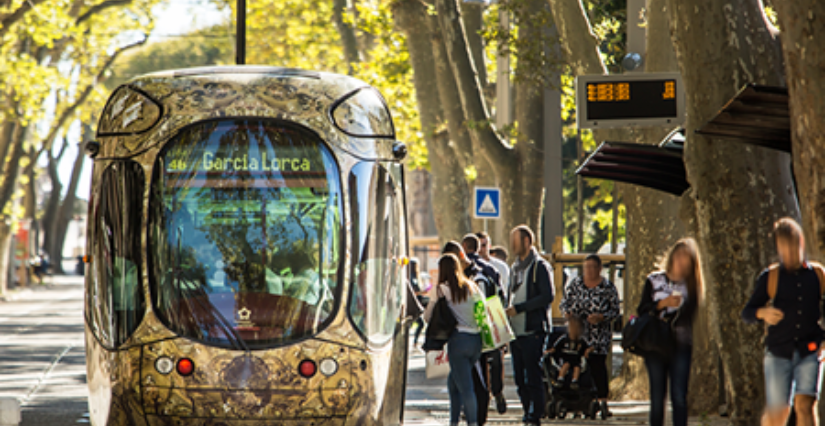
247, 251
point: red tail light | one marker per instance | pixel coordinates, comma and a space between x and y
186, 367
307, 368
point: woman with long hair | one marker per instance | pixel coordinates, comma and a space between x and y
673, 293
464, 346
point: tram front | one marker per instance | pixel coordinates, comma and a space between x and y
268, 284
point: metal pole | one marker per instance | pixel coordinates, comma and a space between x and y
614, 230
240, 34
579, 196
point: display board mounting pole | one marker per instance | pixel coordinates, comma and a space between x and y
240, 34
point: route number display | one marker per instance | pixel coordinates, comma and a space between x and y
642, 99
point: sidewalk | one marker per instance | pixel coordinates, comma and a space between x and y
42, 355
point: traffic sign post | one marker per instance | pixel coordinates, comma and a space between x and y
487, 204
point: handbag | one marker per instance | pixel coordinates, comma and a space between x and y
648, 334
441, 325
437, 364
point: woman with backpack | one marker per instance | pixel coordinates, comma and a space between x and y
464, 345
673, 295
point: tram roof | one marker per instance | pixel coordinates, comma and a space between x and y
151, 108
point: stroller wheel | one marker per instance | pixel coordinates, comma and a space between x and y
561, 410
594, 409
550, 410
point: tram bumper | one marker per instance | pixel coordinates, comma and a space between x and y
237, 388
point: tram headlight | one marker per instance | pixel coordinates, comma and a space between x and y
164, 365
307, 368
328, 367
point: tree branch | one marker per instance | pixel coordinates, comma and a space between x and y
17, 15
497, 152
100, 7
84, 94
579, 43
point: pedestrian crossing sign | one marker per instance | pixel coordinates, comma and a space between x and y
487, 203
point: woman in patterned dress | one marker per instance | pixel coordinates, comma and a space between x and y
594, 300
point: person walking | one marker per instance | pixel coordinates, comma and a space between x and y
531, 293
595, 300
787, 299
673, 294
484, 247
474, 273
495, 359
420, 294
464, 346
471, 243
500, 253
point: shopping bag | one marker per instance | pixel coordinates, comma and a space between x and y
437, 364
499, 326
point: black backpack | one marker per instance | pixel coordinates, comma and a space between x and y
441, 325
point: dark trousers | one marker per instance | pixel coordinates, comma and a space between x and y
495, 372
482, 392
598, 368
420, 326
676, 368
526, 352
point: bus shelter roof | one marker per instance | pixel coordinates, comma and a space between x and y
757, 115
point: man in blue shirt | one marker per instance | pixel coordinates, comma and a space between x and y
787, 299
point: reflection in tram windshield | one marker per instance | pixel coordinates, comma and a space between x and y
246, 230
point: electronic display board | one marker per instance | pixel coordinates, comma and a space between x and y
625, 100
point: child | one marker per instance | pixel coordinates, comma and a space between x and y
570, 348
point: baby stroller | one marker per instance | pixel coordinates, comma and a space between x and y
564, 399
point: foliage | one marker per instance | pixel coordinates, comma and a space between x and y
208, 46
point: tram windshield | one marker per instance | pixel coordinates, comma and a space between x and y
246, 233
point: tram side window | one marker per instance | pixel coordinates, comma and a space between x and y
119, 295
378, 287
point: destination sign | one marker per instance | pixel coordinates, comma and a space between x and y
289, 161
627, 100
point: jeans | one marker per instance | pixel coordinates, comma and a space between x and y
782, 373
526, 352
677, 368
464, 350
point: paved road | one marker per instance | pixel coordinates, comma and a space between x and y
42, 364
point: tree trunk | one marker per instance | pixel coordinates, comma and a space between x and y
530, 118
739, 190
502, 158
53, 201
449, 187
65, 212
5, 246
450, 101
803, 32
578, 42
473, 16
347, 34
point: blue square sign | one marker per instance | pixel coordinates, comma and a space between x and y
487, 203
